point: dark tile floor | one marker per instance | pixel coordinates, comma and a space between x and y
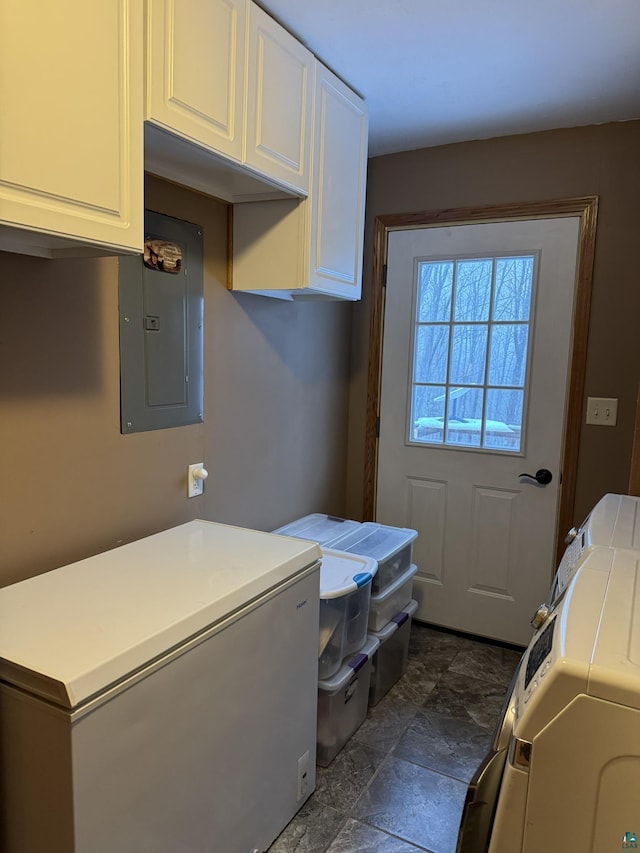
399, 784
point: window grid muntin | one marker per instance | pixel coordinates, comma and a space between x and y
489, 324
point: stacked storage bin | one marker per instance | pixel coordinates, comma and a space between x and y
345, 593
345, 650
343, 700
392, 656
391, 606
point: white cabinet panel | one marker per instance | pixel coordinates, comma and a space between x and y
195, 71
71, 105
312, 247
339, 175
279, 102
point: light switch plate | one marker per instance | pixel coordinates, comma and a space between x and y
602, 411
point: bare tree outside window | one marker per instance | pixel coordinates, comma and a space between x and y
471, 345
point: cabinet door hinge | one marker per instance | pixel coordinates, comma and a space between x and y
378, 427
384, 275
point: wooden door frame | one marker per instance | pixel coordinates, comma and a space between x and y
586, 208
634, 475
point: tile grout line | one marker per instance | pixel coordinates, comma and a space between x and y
389, 755
340, 828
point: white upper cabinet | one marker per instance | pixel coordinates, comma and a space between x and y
310, 248
228, 100
231, 105
195, 71
195, 96
71, 154
339, 178
279, 102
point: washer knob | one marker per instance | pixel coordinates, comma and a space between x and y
571, 535
540, 616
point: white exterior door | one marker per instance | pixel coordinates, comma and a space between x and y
476, 346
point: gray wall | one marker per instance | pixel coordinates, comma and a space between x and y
278, 386
276, 404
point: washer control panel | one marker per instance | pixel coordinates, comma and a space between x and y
570, 561
538, 661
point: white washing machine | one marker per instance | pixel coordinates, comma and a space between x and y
564, 770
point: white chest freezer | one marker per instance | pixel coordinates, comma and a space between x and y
160, 697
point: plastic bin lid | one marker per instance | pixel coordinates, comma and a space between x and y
341, 573
376, 540
323, 529
350, 666
393, 624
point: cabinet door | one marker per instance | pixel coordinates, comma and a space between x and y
338, 188
195, 71
71, 105
279, 102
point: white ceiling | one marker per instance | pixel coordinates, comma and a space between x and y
439, 71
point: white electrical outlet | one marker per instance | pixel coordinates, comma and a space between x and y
303, 775
196, 475
602, 411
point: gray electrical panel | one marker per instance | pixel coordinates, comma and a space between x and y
161, 304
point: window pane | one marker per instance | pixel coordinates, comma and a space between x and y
434, 292
508, 358
514, 277
432, 350
464, 418
468, 355
473, 290
427, 413
470, 352
503, 419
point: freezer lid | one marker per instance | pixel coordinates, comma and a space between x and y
72, 632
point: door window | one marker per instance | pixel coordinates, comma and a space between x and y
471, 346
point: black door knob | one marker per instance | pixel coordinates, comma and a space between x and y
542, 476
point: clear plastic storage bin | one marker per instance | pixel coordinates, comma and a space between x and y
342, 703
390, 547
323, 529
384, 607
391, 659
345, 592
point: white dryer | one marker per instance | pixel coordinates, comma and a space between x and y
564, 770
